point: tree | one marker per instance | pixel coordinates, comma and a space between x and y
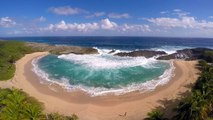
33, 112
13, 106
193, 107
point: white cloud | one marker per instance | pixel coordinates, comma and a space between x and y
126, 28
42, 19
180, 12
7, 22
211, 17
177, 10
107, 24
104, 24
82, 27
118, 16
183, 22
96, 14
164, 12
66, 10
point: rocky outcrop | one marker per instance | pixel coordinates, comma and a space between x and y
61, 49
112, 51
144, 53
187, 54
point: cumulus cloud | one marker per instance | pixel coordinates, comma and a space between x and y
7, 22
134, 28
118, 16
104, 24
107, 24
96, 14
182, 22
82, 27
66, 10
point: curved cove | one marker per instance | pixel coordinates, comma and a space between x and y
101, 73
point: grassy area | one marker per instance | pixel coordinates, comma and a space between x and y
198, 105
11, 51
17, 105
14, 103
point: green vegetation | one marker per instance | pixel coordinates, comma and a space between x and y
11, 51
17, 105
155, 114
14, 103
208, 56
199, 104
56, 116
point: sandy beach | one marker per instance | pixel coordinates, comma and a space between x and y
110, 107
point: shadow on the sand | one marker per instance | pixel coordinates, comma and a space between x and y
168, 105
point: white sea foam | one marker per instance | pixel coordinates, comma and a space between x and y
141, 87
170, 49
99, 91
45, 79
107, 51
106, 61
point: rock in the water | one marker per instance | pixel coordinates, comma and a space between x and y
145, 53
112, 51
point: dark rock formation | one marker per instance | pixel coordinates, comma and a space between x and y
61, 49
145, 53
112, 51
187, 54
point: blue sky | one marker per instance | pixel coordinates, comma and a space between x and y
173, 18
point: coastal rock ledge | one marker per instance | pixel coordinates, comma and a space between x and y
144, 53
190, 54
61, 49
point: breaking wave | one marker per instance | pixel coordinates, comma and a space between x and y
106, 61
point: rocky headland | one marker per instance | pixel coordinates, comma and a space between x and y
61, 49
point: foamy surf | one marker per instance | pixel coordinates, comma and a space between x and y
105, 61
108, 61
170, 49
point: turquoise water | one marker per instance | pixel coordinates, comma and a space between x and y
101, 73
104, 73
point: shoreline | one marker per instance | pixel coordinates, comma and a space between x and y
108, 107
92, 92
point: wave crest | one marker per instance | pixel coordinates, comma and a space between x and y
108, 61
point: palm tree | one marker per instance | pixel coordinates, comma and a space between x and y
33, 112
155, 114
192, 108
14, 104
3, 95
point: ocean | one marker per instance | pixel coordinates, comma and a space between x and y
104, 73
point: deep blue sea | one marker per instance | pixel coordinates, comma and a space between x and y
129, 43
104, 73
